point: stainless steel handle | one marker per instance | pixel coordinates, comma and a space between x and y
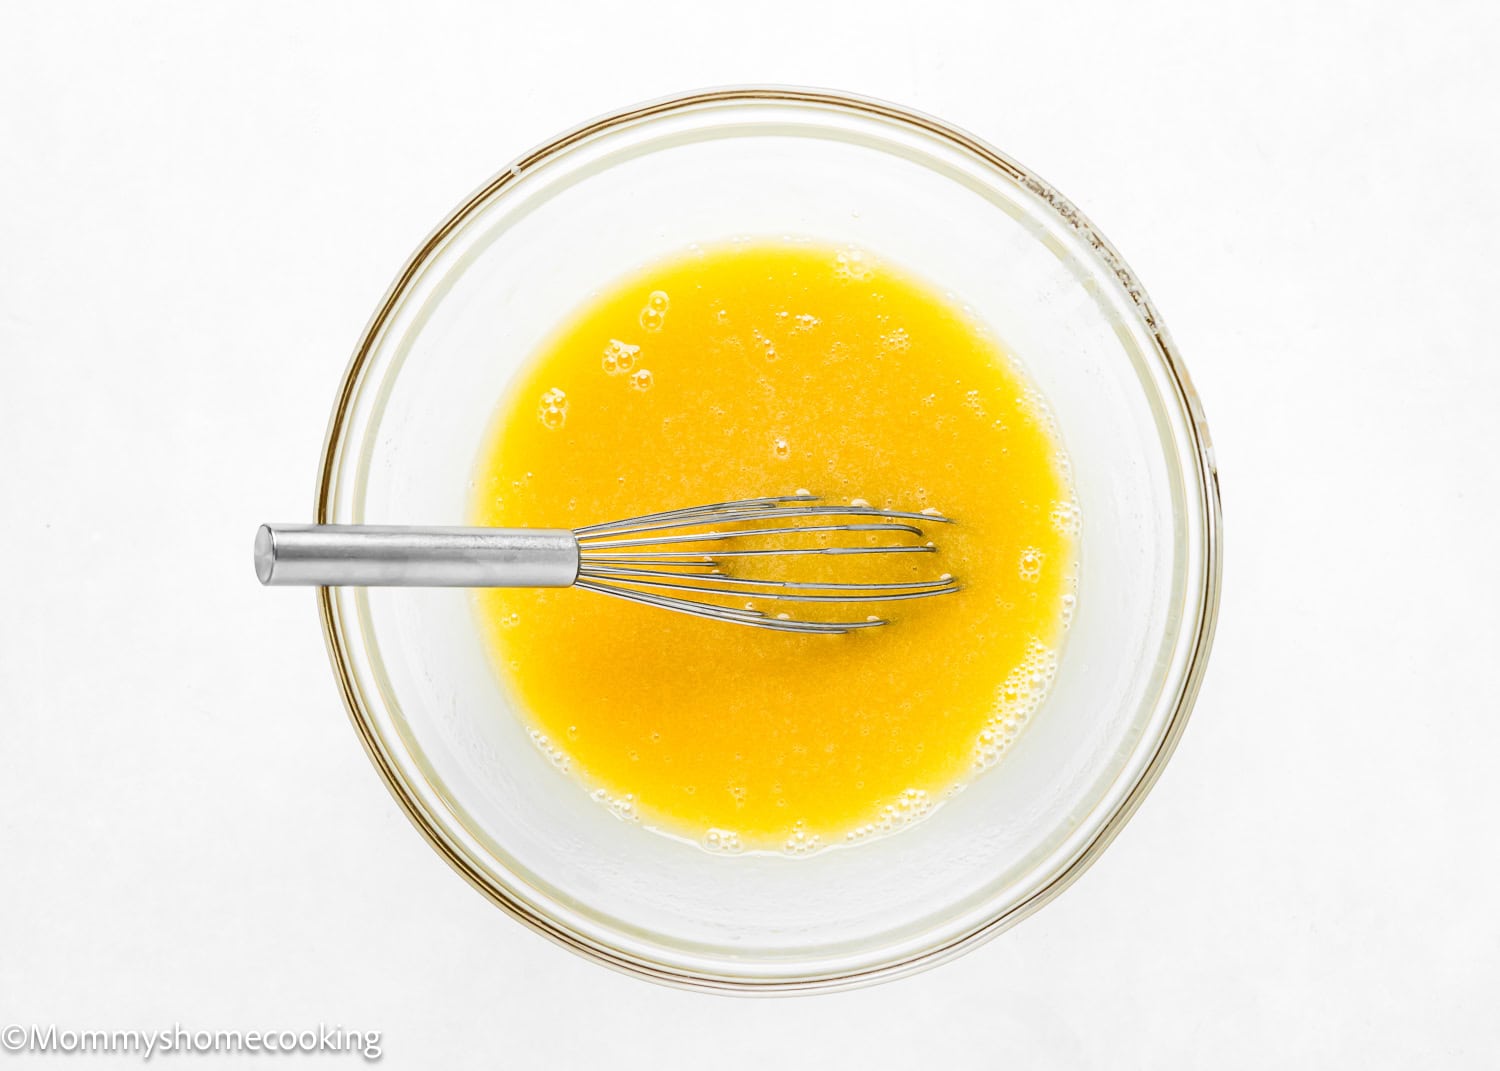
367, 555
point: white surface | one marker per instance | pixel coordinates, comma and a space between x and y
198, 210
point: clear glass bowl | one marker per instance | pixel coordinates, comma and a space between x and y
562, 221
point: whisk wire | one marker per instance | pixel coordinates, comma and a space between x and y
753, 618
616, 559
748, 533
742, 504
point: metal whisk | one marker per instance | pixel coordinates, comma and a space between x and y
675, 559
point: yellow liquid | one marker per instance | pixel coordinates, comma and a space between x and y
763, 369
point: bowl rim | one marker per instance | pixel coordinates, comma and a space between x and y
1202, 625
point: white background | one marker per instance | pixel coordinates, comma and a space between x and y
200, 206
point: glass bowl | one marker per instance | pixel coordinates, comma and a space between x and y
561, 222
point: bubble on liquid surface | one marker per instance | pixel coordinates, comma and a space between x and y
654, 312
722, 840
556, 755
658, 301
623, 807
801, 842
767, 346
641, 380
1031, 564
806, 322
1019, 697
1067, 518
781, 450
1035, 407
912, 805
854, 265
553, 410
619, 357
897, 341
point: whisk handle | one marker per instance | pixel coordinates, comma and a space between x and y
365, 555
